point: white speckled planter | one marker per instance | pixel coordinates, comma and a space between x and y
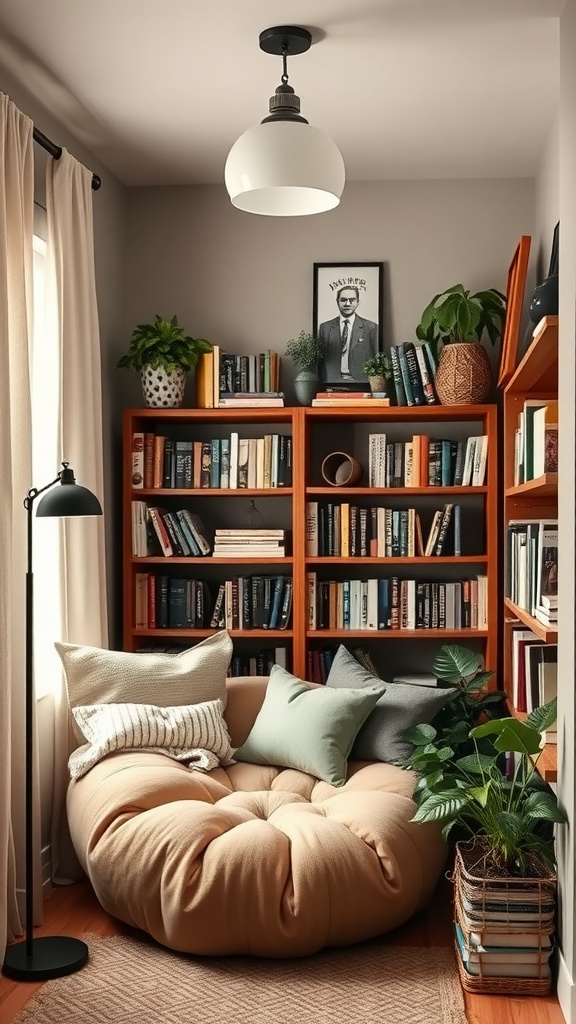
163, 389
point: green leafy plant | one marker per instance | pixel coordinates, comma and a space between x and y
378, 365
163, 343
456, 315
471, 703
509, 815
305, 351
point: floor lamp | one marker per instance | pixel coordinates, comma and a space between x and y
38, 959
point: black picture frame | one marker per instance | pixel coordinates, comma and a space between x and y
367, 279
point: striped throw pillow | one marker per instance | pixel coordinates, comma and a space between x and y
195, 733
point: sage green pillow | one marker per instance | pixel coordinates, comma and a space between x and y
308, 727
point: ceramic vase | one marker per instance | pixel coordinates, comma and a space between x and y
162, 388
306, 386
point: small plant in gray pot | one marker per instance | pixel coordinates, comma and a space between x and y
164, 355
378, 370
305, 351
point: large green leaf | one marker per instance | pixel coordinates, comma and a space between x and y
441, 806
455, 663
512, 735
419, 735
544, 716
543, 806
475, 764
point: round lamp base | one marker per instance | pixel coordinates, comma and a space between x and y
52, 957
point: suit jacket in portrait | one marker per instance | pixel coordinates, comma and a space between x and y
363, 343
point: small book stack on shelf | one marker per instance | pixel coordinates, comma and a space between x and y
249, 543
413, 373
333, 396
235, 381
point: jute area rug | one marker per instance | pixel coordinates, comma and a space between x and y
132, 981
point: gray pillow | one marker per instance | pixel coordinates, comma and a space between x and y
402, 706
308, 727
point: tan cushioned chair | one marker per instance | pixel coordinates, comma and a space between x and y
251, 859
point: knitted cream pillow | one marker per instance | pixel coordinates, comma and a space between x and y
96, 676
195, 733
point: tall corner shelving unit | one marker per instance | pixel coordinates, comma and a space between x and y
536, 376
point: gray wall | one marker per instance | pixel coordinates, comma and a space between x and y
245, 282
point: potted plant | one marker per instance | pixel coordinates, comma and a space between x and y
164, 355
305, 351
504, 874
457, 320
378, 370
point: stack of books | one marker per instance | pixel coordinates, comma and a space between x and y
158, 531
248, 543
351, 399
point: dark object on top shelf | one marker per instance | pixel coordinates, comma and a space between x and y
544, 301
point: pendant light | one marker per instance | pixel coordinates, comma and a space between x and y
284, 167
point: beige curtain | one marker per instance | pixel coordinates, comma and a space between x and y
16, 220
84, 612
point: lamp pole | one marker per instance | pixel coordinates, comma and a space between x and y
38, 959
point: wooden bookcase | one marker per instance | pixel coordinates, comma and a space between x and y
316, 432
536, 376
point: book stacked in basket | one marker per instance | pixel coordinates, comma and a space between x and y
504, 928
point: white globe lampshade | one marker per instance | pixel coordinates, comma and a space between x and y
284, 169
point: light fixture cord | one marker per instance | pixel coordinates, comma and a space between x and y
284, 78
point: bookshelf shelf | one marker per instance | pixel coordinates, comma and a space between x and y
541, 487
396, 634
548, 634
315, 433
534, 382
399, 560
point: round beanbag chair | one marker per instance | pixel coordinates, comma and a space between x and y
252, 858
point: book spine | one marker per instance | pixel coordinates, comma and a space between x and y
405, 374
427, 382
414, 373
397, 376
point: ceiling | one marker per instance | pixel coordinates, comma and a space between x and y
159, 90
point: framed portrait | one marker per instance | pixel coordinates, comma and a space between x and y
514, 302
347, 317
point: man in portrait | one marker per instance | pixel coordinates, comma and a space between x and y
348, 340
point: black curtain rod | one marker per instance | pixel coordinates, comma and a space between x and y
56, 152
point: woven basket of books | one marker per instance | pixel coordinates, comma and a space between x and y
504, 926
464, 375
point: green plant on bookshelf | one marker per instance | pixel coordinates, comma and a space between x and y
378, 370
457, 315
454, 324
305, 351
163, 354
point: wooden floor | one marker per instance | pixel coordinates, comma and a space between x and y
74, 910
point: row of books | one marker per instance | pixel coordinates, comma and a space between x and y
393, 603
534, 674
531, 576
222, 462
240, 603
222, 376
342, 530
536, 440
245, 543
413, 373
157, 531
259, 664
424, 461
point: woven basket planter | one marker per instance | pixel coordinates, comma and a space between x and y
464, 375
485, 902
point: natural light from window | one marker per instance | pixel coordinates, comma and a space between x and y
45, 386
